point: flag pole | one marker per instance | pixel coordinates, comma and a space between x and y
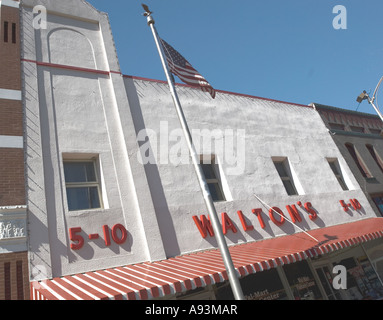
231, 272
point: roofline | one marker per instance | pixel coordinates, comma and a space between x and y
357, 113
107, 73
221, 91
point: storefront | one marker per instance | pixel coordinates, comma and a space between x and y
363, 282
312, 280
266, 285
358, 137
284, 268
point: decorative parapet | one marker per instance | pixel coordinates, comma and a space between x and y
348, 122
13, 226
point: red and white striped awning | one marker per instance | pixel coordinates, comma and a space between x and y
156, 279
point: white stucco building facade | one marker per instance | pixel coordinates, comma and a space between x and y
96, 198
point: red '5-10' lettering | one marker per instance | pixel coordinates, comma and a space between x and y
353, 203
118, 234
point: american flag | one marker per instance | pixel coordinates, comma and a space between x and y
180, 67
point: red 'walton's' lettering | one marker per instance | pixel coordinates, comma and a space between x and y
205, 228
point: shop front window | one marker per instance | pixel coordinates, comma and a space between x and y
302, 281
264, 285
379, 202
326, 279
362, 281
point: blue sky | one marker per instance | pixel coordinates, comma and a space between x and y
277, 49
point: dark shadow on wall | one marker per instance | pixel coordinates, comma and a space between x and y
164, 218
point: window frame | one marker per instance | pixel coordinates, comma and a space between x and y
216, 181
338, 173
375, 131
288, 177
84, 184
357, 129
336, 126
6, 31
14, 32
375, 155
375, 198
366, 173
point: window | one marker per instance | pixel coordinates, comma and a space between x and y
378, 199
358, 160
265, 285
375, 131
334, 165
302, 281
82, 185
336, 126
357, 129
5, 31
284, 172
19, 280
7, 281
375, 156
211, 172
13, 32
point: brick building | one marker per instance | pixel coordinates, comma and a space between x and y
358, 137
14, 284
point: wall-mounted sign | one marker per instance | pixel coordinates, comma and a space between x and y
117, 233
354, 203
276, 215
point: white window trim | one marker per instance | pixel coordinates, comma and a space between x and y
343, 172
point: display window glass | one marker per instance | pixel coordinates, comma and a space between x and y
379, 202
264, 285
326, 279
302, 281
362, 281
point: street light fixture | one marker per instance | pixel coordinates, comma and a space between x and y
364, 96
